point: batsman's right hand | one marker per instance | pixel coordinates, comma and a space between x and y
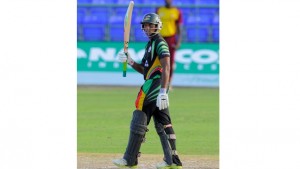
162, 101
122, 57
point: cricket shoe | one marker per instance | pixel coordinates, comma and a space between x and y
164, 165
122, 163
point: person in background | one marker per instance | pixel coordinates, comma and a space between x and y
171, 18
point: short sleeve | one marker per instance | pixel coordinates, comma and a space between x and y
180, 19
162, 49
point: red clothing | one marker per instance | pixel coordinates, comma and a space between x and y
171, 43
170, 17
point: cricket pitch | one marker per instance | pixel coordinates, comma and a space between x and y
146, 161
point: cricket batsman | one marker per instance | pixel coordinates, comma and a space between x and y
152, 99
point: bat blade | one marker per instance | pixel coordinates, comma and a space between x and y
127, 25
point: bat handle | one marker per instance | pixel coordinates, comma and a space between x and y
124, 67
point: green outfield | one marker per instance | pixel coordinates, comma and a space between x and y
104, 114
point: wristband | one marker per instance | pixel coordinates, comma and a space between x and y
163, 90
130, 61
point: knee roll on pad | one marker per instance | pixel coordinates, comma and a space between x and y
139, 122
138, 130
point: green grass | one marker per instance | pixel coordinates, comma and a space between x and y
104, 115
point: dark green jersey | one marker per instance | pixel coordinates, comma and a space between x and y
156, 49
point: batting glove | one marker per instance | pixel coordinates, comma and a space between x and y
123, 57
162, 101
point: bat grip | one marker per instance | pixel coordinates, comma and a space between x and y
125, 67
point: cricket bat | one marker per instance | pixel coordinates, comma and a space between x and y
127, 24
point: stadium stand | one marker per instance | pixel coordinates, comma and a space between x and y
215, 21
193, 20
84, 1
206, 2
102, 20
116, 33
197, 34
93, 34
81, 12
139, 35
216, 34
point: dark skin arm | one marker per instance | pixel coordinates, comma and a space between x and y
179, 30
138, 67
165, 63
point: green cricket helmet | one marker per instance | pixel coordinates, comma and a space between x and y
152, 18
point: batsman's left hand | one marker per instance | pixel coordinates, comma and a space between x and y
162, 101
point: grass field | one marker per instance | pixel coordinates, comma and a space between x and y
104, 115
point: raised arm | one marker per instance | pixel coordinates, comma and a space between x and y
123, 58
138, 67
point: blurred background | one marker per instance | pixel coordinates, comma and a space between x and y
104, 109
100, 38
